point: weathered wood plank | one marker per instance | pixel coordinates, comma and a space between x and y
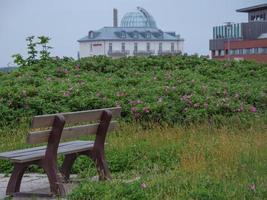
10, 154
62, 150
70, 132
43, 121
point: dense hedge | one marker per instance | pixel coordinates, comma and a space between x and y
159, 89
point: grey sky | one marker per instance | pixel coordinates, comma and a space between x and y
65, 21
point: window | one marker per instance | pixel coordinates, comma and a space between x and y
160, 47
91, 34
135, 47
110, 47
172, 47
222, 53
123, 34
148, 35
123, 46
135, 35
148, 46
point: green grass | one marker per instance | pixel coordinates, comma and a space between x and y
178, 162
197, 162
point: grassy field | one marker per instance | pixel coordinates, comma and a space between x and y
197, 162
178, 162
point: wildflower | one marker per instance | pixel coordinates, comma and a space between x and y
146, 110
253, 109
133, 109
66, 94
143, 186
137, 115
160, 99
252, 187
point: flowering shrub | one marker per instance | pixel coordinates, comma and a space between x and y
178, 89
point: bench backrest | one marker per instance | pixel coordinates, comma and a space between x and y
89, 119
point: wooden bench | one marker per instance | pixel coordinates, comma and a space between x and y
96, 122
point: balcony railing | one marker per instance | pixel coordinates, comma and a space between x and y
119, 53
176, 52
144, 53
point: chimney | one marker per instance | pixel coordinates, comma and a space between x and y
115, 17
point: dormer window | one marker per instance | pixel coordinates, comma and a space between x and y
136, 35
91, 34
148, 34
123, 34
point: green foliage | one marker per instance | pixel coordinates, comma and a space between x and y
171, 90
33, 52
44, 53
199, 162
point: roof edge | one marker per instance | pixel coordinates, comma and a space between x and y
253, 8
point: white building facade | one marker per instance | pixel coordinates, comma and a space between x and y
138, 35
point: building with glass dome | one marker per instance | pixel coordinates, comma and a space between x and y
137, 35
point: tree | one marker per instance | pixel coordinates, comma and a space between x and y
44, 53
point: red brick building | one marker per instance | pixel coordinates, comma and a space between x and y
243, 41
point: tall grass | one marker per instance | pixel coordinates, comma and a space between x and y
197, 162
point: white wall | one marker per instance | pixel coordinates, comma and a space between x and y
88, 49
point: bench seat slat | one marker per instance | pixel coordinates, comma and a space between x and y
17, 153
34, 153
43, 121
67, 133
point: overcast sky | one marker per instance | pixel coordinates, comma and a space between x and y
66, 21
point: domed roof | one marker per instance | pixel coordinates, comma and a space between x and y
139, 18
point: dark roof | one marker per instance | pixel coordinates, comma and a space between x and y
115, 33
253, 8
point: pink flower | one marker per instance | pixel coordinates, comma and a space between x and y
143, 186
253, 109
133, 109
66, 94
252, 187
137, 115
146, 110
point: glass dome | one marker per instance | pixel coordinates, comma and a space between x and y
139, 18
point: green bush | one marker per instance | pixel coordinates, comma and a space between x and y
172, 90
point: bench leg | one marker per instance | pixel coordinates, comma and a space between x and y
15, 179
100, 162
56, 185
67, 165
